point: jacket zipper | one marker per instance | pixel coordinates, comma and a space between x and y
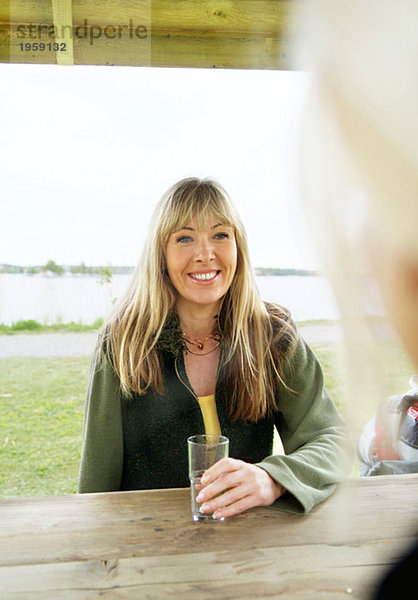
191, 391
185, 384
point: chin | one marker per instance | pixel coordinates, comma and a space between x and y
204, 299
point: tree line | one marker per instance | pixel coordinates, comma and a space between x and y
107, 271
282, 272
52, 267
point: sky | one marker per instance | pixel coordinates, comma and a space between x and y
86, 152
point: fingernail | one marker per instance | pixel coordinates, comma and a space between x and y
200, 497
217, 514
204, 479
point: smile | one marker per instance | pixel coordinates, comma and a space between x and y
204, 276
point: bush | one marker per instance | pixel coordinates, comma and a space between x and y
29, 324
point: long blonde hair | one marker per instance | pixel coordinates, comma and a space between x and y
257, 337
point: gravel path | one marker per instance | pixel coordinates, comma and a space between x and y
47, 344
82, 344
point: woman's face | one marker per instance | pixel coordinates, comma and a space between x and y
201, 263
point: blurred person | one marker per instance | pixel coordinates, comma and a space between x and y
389, 442
359, 181
193, 349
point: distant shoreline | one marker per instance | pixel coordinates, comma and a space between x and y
84, 270
31, 326
271, 271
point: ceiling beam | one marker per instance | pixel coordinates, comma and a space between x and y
243, 34
62, 14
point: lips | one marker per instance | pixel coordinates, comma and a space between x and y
207, 276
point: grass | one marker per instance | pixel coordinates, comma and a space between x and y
41, 416
395, 372
32, 326
41, 421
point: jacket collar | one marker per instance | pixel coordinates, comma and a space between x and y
171, 338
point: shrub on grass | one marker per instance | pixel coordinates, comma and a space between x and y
29, 325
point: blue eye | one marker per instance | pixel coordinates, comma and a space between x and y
221, 236
184, 239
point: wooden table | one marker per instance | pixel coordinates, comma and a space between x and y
145, 545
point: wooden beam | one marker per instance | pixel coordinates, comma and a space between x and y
243, 34
62, 14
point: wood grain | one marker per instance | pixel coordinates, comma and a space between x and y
62, 14
244, 34
144, 544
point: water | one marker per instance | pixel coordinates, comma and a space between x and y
57, 299
307, 298
83, 299
195, 478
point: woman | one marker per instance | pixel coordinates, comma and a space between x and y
193, 349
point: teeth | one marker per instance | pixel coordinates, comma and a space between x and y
203, 276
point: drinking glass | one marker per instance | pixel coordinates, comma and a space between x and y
204, 451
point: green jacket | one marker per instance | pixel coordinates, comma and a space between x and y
141, 443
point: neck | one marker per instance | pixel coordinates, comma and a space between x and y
197, 321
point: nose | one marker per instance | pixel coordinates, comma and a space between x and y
204, 250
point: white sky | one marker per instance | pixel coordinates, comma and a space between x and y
86, 152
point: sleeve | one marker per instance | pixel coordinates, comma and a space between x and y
102, 451
318, 451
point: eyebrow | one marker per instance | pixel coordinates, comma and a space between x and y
213, 227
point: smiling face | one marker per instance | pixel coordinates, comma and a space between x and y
201, 263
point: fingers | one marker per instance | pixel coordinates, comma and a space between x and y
235, 509
225, 465
228, 504
235, 486
222, 483
213, 501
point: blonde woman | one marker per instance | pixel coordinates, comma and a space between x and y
193, 349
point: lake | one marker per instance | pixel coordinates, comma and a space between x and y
83, 299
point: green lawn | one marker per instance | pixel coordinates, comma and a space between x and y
41, 421
41, 416
32, 326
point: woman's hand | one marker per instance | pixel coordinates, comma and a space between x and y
231, 486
